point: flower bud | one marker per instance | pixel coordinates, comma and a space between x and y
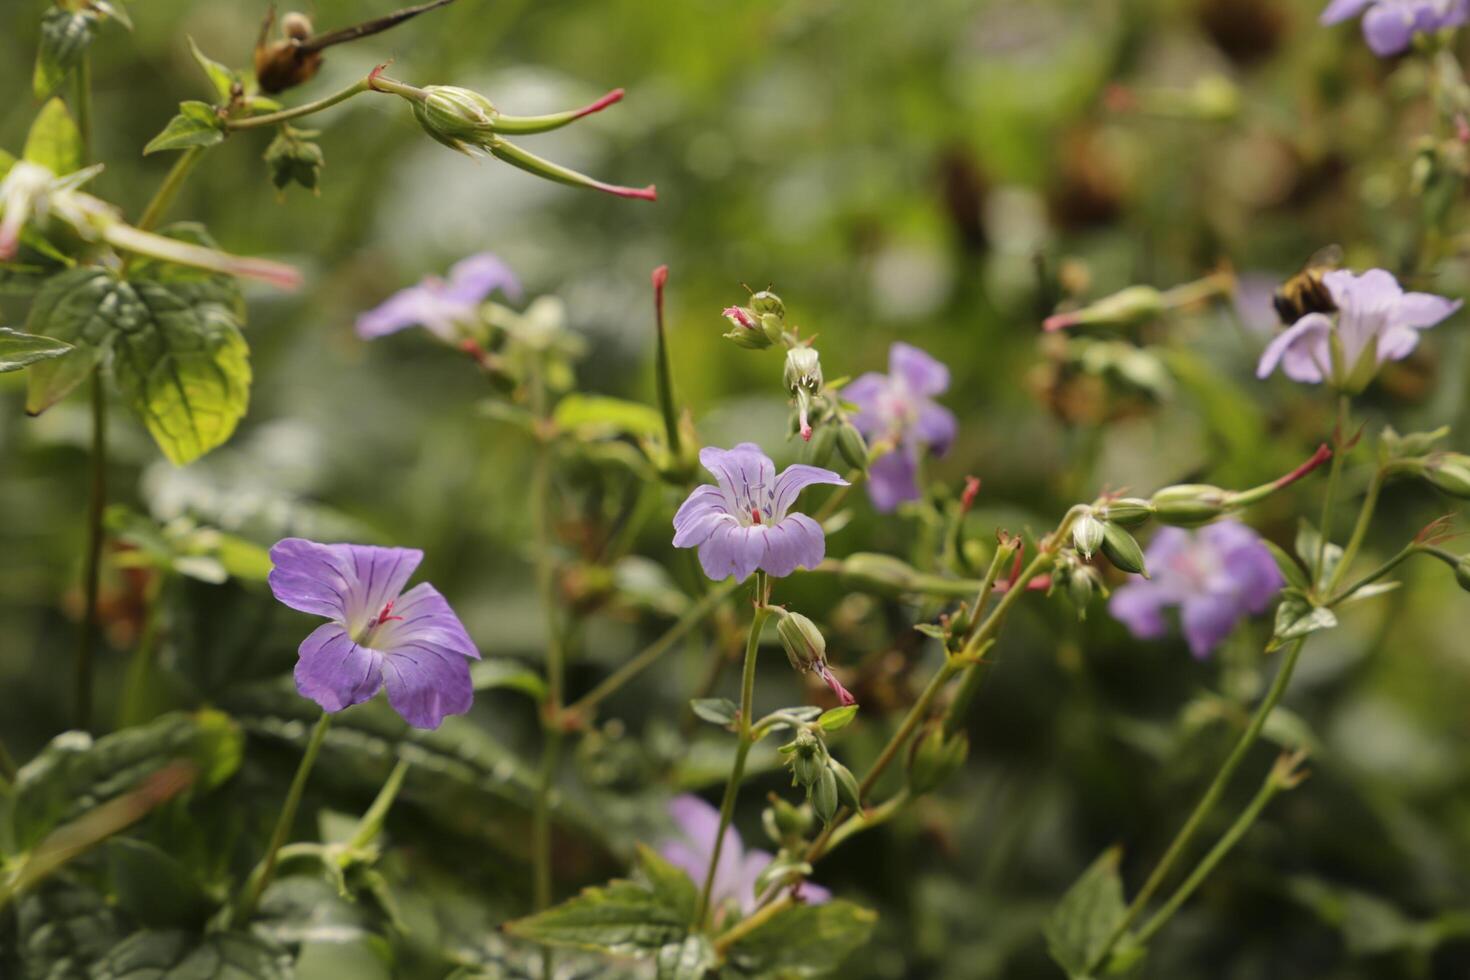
771, 325
1127, 511
852, 446
1087, 535
746, 332
805, 646
806, 758
1124, 308
459, 118
1188, 504
803, 370
1450, 473
880, 574
1082, 585
823, 442
784, 822
765, 302
934, 758
824, 795
847, 784
1123, 551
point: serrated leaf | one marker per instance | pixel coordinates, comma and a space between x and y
837, 719
1087, 915
63, 928
802, 941
716, 711
197, 124
75, 773
220, 77
1297, 618
184, 956
20, 350
54, 142
600, 417
1291, 570
65, 37
500, 672
153, 887
689, 960
637, 916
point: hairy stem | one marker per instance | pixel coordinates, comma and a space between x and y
261, 877
296, 112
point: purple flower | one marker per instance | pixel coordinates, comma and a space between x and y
443, 307
742, 524
1217, 576
898, 408
1389, 26
1376, 322
698, 822
378, 633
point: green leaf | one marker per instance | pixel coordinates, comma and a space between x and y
638, 916
716, 711
802, 941
689, 960
183, 956
76, 773
600, 417
503, 672
65, 37
63, 928
1087, 915
1291, 570
1309, 548
837, 719
221, 78
154, 887
1296, 618
21, 350
54, 141
177, 355
308, 908
22, 278
197, 124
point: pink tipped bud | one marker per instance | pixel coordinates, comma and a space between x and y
649, 193
1058, 321
660, 279
739, 316
616, 95
1322, 455
972, 490
844, 696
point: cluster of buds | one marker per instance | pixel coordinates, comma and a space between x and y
828, 783
806, 649
934, 757
758, 325
467, 121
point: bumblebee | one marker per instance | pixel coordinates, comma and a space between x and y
1305, 292
296, 56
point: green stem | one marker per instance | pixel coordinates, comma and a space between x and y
541, 817
583, 706
836, 497
1325, 526
169, 189
92, 568
1360, 529
868, 819
1273, 784
911, 721
742, 749
84, 105
371, 823
665, 370
751, 923
382, 83
1403, 555
261, 877
1206, 803
7, 764
296, 112
137, 684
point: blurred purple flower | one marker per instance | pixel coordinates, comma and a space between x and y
1217, 576
442, 306
898, 408
411, 640
698, 822
1376, 322
743, 524
1389, 26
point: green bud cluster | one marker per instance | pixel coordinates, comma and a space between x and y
934, 757
828, 783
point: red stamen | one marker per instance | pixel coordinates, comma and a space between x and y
386, 616
755, 515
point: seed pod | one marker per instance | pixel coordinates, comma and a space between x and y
766, 301
852, 446
804, 643
1123, 551
1087, 535
1450, 473
1188, 504
783, 822
847, 784
819, 450
1127, 511
824, 796
459, 118
935, 758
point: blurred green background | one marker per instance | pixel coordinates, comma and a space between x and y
944, 173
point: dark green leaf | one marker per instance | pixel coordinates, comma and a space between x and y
65, 37
306, 909
293, 158
689, 960
75, 772
637, 916
54, 142
62, 929
153, 887
716, 711
182, 956
1296, 618
1086, 916
803, 941
20, 350
501, 672
197, 124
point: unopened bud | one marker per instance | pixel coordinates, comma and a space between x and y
765, 302
1082, 585
1087, 535
1450, 473
1188, 504
823, 441
783, 822
1127, 511
1123, 551
807, 758
771, 325
805, 646
1125, 308
934, 758
746, 332
847, 784
852, 446
803, 370
824, 795
459, 118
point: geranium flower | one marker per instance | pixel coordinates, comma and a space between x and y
411, 641
1389, 26
898, 407
443, 307
1376, 322
743, 523
1216, 576
698, 822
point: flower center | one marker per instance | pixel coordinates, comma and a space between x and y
374, 624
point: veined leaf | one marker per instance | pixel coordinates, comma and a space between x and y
185, 956
65, 37
1297, 618
197, 124
21, 350
220, 77
54, 142
1086, 916
600, 417
803, 941
688, 960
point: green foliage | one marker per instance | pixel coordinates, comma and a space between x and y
65, 36
716, 711
294, 157
20, 350
170, 955
54, 142
493, 672
1086, 916
198, 124
601, 417
802, 941
153, 887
